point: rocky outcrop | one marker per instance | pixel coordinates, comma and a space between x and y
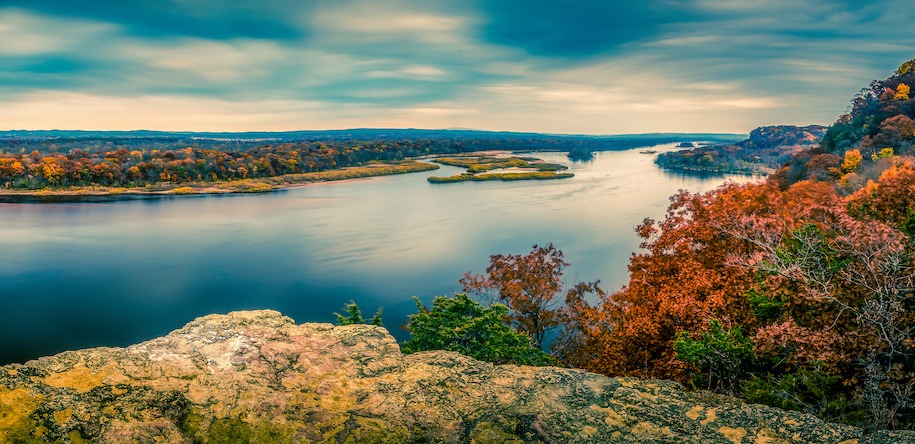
256, 376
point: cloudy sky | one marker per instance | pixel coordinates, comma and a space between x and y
593, 67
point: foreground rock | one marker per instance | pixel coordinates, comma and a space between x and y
255, 376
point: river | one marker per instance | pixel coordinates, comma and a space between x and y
76, 275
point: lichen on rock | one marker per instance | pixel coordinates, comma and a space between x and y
256, 376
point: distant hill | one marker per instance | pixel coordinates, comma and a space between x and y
446, 141
346, 134
767, 148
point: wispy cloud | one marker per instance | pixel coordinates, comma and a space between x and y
570, 66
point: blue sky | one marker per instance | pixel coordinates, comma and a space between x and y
593, 67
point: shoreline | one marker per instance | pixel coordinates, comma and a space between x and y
241, 186
761, 173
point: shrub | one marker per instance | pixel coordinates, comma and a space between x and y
722, 357
809, 391
354, 316
461, 324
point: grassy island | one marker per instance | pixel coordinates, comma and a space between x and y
482, 168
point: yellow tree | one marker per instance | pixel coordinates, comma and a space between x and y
902, 92
852, 159
52, 171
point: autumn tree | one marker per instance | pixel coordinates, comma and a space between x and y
676, 285
851, 161
530, 285
803, 277
891, 199
902, 92
851, 285
582, 317
819, 284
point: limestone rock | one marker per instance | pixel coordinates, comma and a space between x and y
256, 376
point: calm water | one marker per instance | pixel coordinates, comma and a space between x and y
111, 274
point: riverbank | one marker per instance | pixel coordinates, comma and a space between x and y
256, 185
751, 172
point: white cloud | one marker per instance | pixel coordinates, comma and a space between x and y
69, 110
26, 34
422, 72
359, 20
208, 60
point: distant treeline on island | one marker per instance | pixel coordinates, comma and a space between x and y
32, 160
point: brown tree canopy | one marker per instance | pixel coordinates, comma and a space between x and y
531, 286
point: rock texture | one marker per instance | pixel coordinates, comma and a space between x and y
256, 376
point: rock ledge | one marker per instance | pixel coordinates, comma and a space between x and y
256, 376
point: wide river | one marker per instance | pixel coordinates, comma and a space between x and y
79, 275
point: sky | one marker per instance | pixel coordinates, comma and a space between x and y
577, 67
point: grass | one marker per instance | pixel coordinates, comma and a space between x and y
370, 170
480, 164
479, 167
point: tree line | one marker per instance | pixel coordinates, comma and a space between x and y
124, 167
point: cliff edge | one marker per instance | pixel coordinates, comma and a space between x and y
256, 376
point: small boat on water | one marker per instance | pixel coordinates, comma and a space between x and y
648, 152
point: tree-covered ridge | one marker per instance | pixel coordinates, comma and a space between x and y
865, 142
439, 141
780, 136
766, 149
798, 292
821, 285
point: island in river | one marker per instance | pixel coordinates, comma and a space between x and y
500, 167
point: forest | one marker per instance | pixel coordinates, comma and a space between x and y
32, 160
796, 292
139, 167
767, 148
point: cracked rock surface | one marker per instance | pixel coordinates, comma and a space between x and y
256, 376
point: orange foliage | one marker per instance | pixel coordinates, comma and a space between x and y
837, 280
890, 199
678, 284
